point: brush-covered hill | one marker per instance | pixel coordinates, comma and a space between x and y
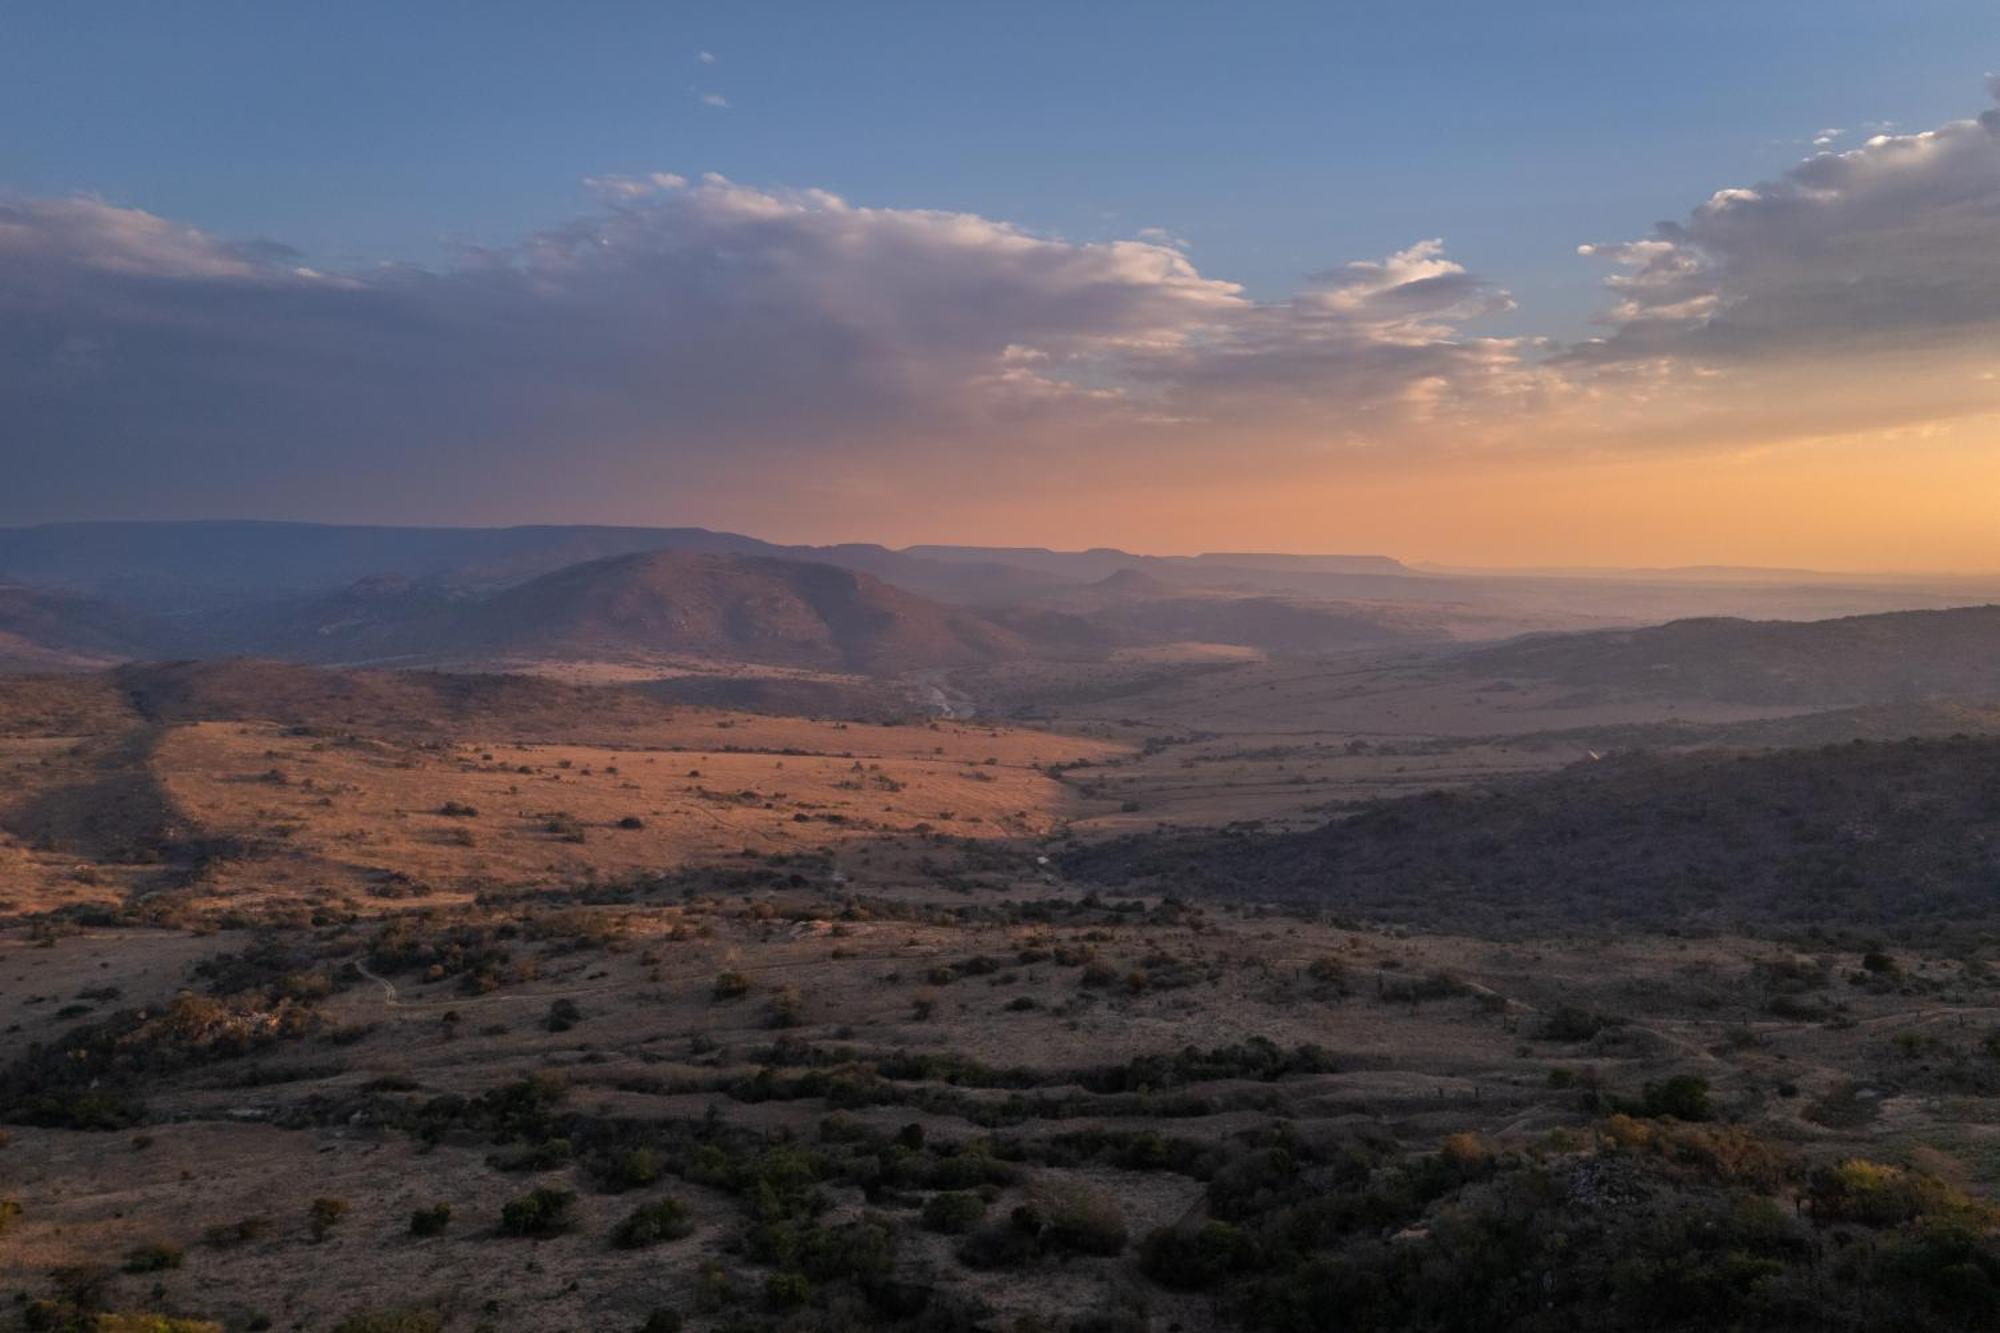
1903, 835
1898, 656
639, 607
731, 608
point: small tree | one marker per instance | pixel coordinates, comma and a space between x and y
430, 1221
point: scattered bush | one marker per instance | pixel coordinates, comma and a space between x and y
651, 1223
563, 1015
430, 1221
155, 1256
228, 1235
391, 1321
953, 1213
541, 1212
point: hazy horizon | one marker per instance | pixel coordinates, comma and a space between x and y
1416, 563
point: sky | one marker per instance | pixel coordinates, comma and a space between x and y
1538, 283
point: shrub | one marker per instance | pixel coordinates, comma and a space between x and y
1329, 977
391, 1321
430, 1221
227, 1235
786, 1009
787, 1291
1876, 1195
1190, 1258
731, 986
1569, 1023
631, 822
563, 1015
632, 1170
1081, 1220
458, 810
954, 1213
1008, 1244
323, 1215
153, 1257
651, 1223
542, 1211
1684, 1097
9, 1210
663, 1321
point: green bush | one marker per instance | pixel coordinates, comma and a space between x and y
1082, 1221
954, 1213
1191, 1258
323, 1215
228, 1235
651, 1223
542, 1211
391, 1321
430, 1221
155, 1256
1684, 1097
787, 1291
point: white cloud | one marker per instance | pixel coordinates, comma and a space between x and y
705, 57
713, 99
1891, 239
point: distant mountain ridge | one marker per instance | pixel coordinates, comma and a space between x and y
638, 607
190, 565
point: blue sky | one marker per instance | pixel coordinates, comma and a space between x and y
1276, 138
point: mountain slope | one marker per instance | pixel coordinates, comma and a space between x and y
775, 612
1870, 835
1899, 656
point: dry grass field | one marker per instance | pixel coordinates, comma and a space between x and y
321, 1020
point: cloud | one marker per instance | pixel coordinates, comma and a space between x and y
1884, 242
705, 57
688, 333
716, 100
701, 347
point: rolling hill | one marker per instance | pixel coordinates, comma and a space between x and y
1895, 657
739, 609
1899, 835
